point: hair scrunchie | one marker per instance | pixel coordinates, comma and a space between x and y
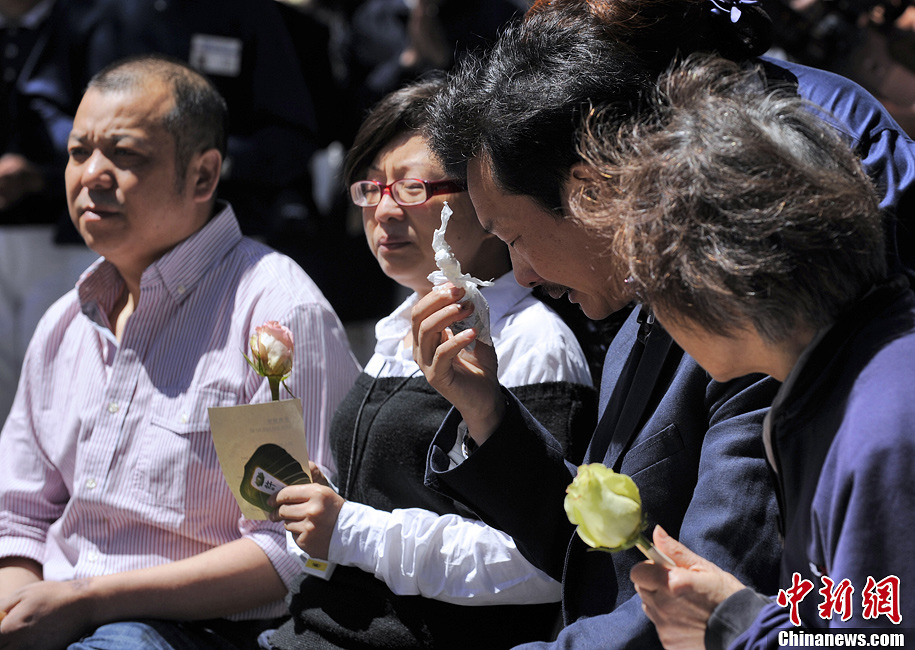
731, 7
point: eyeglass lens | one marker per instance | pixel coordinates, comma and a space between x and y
404, 192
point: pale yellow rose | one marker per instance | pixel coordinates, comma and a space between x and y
605, 506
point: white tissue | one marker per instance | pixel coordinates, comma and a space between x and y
450, 271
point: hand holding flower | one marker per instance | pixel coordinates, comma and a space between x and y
271, 351
607, 509
680, 599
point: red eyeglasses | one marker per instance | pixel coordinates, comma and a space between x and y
406, 191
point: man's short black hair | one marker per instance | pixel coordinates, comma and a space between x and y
520, 104
198, 120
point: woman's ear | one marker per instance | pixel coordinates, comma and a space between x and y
206, 168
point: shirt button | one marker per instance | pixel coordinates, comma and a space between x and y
181, 289
112, 407
92, 556
91, 483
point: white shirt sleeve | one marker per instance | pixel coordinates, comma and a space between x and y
445, 557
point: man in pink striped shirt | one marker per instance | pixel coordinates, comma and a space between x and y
116, 525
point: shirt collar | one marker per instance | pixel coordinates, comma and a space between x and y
98, 288
786, 389
179, 270
182, 268
826, 357
32, 19
502, 296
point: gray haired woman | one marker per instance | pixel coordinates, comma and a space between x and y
753, 233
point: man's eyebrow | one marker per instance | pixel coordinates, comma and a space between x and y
114, 137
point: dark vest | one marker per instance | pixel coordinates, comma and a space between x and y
380, 437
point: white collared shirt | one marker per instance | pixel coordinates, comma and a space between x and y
531, 341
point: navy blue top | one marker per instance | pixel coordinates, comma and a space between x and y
843, 449
692, 445
887, 152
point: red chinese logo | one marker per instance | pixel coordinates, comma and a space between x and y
878, 598
835, 601
794, 595
882, 599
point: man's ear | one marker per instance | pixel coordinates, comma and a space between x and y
574, 185
582, 172
205, 169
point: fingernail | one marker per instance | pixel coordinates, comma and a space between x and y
660, 532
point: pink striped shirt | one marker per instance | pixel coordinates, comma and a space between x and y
106, 460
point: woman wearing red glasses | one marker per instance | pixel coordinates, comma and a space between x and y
401, 201
416, 569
